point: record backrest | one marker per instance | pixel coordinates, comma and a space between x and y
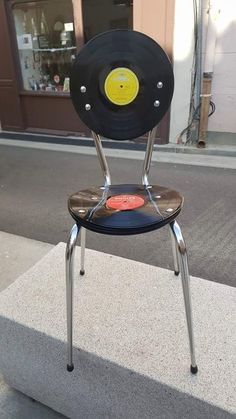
121, 84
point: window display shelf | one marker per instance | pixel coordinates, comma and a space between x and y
53, 49
43, 93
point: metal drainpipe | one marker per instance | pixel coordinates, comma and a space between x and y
208, 71
199, 61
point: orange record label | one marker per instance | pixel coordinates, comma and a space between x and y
125, 202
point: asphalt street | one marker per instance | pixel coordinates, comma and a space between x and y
35, 185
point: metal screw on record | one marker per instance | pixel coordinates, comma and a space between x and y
159, 85
87, 107
156, 103
83, 89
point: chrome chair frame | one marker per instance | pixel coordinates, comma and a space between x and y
178, 248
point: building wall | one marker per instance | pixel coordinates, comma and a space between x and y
155, 19
223, 121
182, 59
224, 79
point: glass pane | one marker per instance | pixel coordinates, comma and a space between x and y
46, 43
103, 15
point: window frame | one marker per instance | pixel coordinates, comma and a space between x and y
79, 42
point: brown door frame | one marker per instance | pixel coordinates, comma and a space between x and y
78, 22
10, 106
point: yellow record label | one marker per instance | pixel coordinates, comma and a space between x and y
121, 86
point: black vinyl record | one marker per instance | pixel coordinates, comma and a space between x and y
125, 209
121, 84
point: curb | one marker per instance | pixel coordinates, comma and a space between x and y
227, 151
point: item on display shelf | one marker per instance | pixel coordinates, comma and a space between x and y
56, 78
34, 27
43, 25
58, 26
24, 41
59, 88
36, 57
34, 85
65, 38
66, 85
26, 63
35, 42
44, 81
69, 27
42, 86
50, 88
44, 41
35, 34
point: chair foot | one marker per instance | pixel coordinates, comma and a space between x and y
176, 273
194, 370
82, 272
70, 367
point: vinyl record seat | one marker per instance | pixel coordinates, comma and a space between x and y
125, 209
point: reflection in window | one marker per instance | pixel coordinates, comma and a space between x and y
46, 43
103, 15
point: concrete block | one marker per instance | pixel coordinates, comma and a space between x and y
131, 350
16, 405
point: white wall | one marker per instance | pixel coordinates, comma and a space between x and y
182, 58
224, 76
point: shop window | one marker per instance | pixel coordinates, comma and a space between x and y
103, 15
46, 43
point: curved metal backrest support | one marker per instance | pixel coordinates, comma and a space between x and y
148, 156
146, 164
102, 159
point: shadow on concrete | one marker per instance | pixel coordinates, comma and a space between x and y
35, 364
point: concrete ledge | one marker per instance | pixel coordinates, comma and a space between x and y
17, 255
131, 350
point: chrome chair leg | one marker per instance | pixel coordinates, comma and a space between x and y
70, 253
183, 264
175, 252
82, 254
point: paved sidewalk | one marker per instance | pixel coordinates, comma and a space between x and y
182, 155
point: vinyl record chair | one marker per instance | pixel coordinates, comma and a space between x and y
121, 86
